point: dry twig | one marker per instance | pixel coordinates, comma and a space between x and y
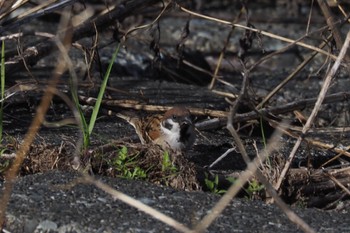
316, 108
11, 174
137, 204
281, 38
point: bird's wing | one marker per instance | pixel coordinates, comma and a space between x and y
151, 128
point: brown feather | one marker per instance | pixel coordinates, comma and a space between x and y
151, 130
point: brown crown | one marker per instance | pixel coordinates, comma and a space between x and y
178, 112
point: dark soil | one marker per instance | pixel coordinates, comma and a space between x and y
60, 207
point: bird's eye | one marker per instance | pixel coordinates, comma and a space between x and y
174, 117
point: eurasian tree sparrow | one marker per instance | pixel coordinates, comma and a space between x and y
173, 130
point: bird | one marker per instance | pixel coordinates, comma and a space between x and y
174, 130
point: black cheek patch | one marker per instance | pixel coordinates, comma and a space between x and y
168, 125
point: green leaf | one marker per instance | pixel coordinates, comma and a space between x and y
102, 90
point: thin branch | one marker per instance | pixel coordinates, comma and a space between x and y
222, 53
331, 23
265, 33
11, 174
286, 108
252, 168
290, 77
315, 110
137, 204
36, 52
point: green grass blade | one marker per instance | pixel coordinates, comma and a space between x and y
84, 126
102, 91
264, 138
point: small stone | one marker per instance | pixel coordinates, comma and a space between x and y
46, 226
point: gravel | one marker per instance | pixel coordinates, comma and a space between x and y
48, 202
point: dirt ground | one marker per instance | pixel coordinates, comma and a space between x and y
172, 61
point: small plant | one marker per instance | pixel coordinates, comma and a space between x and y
213, 185
126, 165
87, 128
169, 170
232, 180
264, 140
167, 165
253, 189
301, 203
102, 90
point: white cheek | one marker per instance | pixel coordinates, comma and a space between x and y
173, 135
174, 131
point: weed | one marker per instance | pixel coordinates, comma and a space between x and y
232, 180
84, 125
87, 128
126, 165
301, 203
254, 187
169, 170
167, 165
213, 185
264, 140
155, 166
102, 90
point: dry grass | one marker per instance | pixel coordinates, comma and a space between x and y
180, 174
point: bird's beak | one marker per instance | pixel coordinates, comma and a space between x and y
186, 122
